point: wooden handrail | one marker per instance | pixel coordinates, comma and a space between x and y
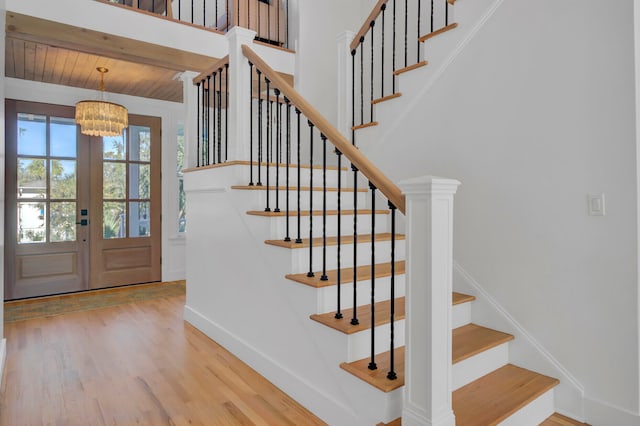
353, 154
367, 24
215, 67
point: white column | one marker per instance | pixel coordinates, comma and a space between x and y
429, 213
189, 101
239, 93
344, 82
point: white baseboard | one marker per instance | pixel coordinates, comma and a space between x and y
303, 392
600, 413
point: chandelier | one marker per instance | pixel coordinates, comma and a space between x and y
101, 118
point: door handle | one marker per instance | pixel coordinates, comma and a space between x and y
83, 222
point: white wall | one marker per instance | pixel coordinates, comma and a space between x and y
170, 113
537, 112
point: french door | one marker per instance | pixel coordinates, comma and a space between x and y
80, 212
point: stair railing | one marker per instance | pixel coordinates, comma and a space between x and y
212, 120
377, 57
278, 138
268, 18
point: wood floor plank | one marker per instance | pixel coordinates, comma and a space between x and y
136, 363
494, 397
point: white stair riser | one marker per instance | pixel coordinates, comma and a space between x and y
332, 200
479, 365
278, 225
359, 344
327, 296
461, 315
533, 413
280, 174
300, 257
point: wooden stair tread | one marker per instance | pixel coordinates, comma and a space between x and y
363, 274
396, 422
365, 125
410, 67
293, 188
557, 419
494, 397
386, 98
472, 339
382, 314
378, 377
305, 213
459, 298
332, 241
438, 32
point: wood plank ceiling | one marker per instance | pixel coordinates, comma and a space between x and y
39, 62
51, 52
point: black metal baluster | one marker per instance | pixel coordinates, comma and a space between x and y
287, 24
226, 6
192, 11
353, 96
198, 131
166, 8
153, 6
446, 13
278, 150
204, 13
211, 132
278, 21
310, 273
324, 208
372, 364
215, 23
371, 82
418, 31
354, 319
220, 115
179, 10
288, 155
298, 239
384, 8
393, 49
226, 114
406, 27
391, 375
361, 80
338, 314
250, 122
259, 127
208, 118
268, 102
432, 13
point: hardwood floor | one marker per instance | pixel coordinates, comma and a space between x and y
137, 363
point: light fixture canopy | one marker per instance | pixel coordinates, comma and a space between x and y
101, 118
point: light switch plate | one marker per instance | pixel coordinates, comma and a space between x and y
596, 205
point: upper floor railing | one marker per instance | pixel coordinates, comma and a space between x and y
268, 18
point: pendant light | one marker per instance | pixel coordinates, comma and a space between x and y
101, 118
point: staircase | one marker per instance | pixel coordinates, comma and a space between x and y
297, 290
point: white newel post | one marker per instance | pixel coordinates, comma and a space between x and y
189, 100
239, 93
429, 213
344, 82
